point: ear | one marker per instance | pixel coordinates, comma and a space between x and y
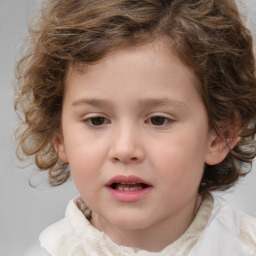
219, 146
59, 146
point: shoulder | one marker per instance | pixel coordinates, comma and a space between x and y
54, 236
222, 234
68, 234
60, 235
74, 235
248, 233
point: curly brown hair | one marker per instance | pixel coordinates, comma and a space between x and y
207, 35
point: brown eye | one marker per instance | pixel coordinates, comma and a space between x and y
159, 120
97, 121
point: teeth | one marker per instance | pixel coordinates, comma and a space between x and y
130, 186
127, 188
134, 189
128, 183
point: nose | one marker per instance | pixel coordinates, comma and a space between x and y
126, 146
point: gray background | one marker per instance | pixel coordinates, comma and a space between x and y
25, 211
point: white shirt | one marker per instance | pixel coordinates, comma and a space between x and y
217, 230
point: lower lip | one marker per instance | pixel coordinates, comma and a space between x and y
129, 196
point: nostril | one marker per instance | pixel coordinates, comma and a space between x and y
115, 159
125, 154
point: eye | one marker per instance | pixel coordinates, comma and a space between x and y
159, 120
96, 121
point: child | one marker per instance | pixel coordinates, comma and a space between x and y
151, 105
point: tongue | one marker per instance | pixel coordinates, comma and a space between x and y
129, 187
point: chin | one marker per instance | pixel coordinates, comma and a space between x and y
131, 223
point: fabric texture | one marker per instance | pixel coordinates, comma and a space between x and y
217, 230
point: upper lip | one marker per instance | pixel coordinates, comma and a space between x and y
126, 180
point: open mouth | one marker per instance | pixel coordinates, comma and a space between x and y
127, 183
128, 186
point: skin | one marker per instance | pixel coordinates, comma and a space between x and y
138, 112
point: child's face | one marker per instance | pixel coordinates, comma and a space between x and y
136, 137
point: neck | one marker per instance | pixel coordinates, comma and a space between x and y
153, 238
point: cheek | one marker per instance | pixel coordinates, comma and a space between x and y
181, 150
83, 150
85, 175
86, 155
84, 162
181, 160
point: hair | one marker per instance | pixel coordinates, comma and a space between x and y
209, 36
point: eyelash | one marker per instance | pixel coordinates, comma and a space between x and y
164, 121
89, 121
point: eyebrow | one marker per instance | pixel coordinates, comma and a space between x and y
147, 102
91, 102
163, 102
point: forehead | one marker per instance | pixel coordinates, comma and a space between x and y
135, 78
153, 56
145, 70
